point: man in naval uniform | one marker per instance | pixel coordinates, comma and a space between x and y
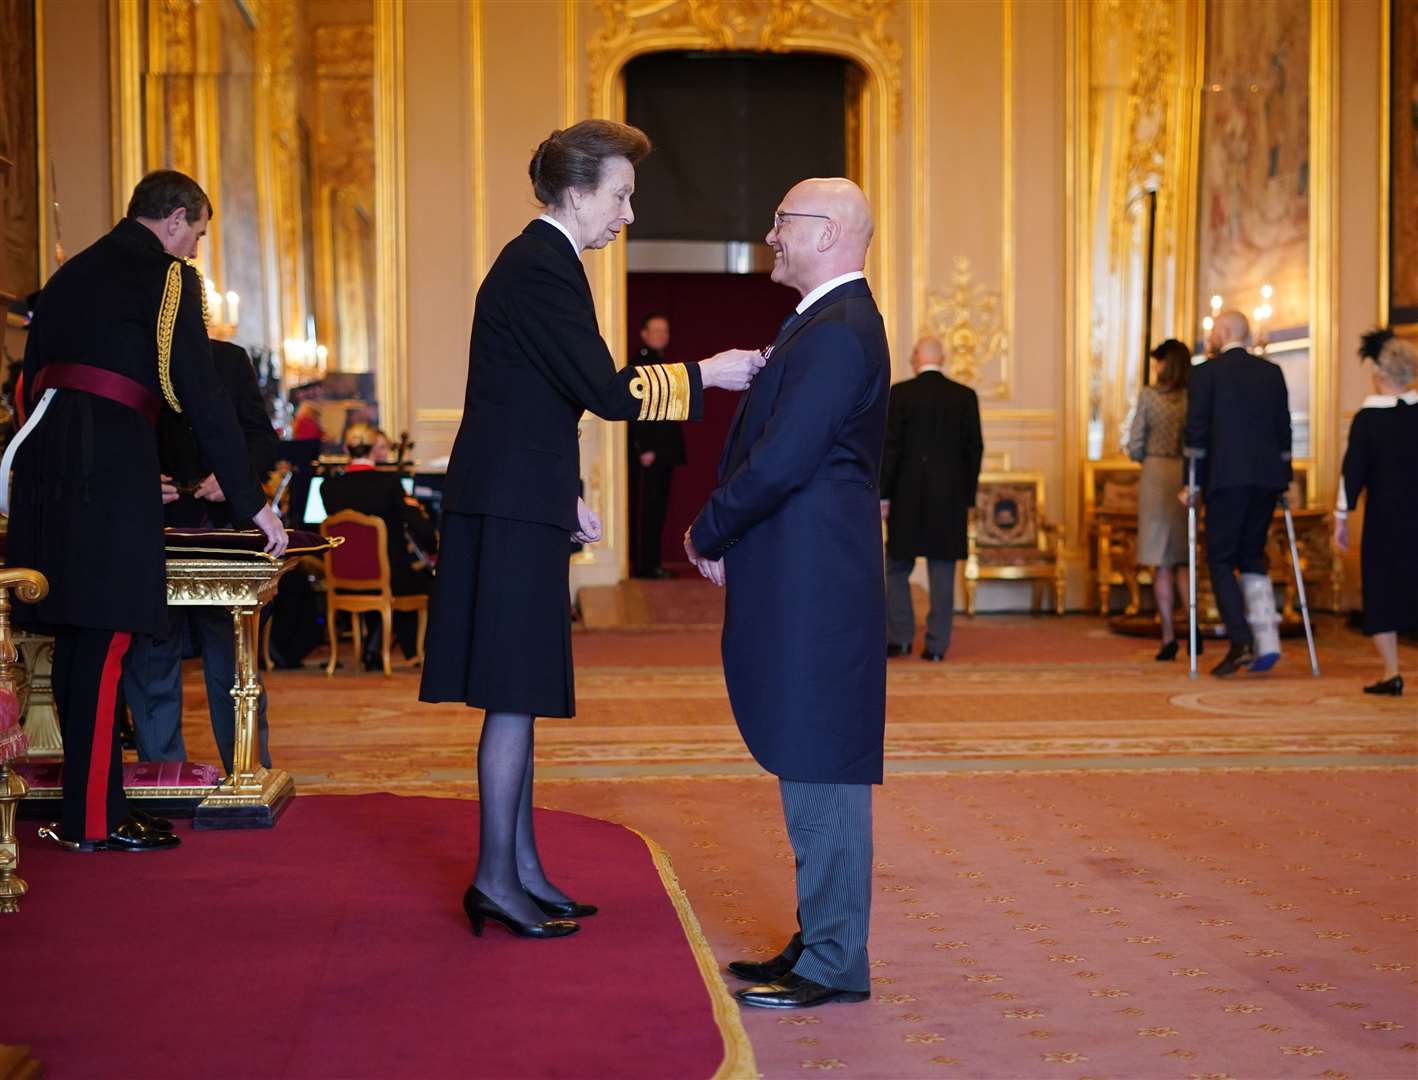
118, 332
795, 529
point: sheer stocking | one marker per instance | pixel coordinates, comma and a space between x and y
504, 769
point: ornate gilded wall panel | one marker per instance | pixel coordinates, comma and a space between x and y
1403, 118
20, 195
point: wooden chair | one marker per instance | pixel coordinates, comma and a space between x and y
14, 689
357, 580
1010, 540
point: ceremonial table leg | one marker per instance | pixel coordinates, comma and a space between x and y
252, 797
12, 886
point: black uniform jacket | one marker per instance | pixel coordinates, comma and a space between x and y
930, 466
86, 509
537, 361
180, 454
379, 493
1238, 423
797, 521
663, 438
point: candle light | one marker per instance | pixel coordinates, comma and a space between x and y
214, 305
1266, 292
1207, 323
232, 307
1215, 304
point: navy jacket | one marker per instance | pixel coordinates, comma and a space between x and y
796, 519
536, 362
931, 466
1238, 423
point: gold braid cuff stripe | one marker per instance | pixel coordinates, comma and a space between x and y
663, 392
167, 320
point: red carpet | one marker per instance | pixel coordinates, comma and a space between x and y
335, 946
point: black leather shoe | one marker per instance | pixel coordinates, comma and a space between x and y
479, 908
129, 835
893, 650
1237, 658
1387, 687
148, 821
1168, 651
794, 992
568, 909
767, 971
933, 657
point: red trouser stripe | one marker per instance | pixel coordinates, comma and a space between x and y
101, 754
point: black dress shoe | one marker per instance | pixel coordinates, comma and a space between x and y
767, 971
1168, 651
893, 650
564, 909
479, 908
794, 992
148, 821
1387, 687
129, 835
1237, 658
933, 657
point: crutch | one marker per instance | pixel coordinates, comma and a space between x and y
1300, 583
1191, 564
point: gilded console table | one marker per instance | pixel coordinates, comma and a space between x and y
252, 796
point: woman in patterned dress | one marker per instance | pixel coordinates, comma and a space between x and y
1156, 441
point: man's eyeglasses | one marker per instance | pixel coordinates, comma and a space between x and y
779, 215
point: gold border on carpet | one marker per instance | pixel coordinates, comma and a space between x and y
739, 1062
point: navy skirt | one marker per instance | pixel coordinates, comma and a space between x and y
499, 628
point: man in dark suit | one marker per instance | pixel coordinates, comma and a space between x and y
929, 471
1238, 432
656, 450
118, 331
152, 670
794, 529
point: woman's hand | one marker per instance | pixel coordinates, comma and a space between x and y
732, 369
590, 525
1341, 533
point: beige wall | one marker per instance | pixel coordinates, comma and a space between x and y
76, 122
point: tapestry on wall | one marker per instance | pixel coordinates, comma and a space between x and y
1253, 216
1403, 221
19, 174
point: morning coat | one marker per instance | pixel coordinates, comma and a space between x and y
930, 466
796, 519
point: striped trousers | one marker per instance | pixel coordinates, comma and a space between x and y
829, 826
88, 664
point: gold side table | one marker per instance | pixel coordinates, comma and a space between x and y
252, 797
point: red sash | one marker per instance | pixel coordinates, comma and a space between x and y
101, 383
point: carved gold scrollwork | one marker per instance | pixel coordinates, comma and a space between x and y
966, 318
762, 25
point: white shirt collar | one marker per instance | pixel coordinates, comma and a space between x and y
930, 367
1390, 401
826, 287
1234, 345
564, 232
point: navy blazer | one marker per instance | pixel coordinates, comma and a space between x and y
796, 518
1238, 423
536, 362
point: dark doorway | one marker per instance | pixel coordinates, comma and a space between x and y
732, 132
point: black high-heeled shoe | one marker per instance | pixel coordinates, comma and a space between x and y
1386, 687
480, 908
563, 909
1168, 651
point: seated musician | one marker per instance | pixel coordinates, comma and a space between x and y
365, 488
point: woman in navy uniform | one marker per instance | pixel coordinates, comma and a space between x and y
118, 331
499, 635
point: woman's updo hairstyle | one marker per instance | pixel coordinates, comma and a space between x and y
573, 157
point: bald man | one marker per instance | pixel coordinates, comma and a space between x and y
794, 531
1238, 432
929, 472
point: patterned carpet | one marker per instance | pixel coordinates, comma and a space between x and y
1088, 864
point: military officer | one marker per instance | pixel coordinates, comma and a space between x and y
118, 332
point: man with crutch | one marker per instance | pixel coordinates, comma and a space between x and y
1238, 436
